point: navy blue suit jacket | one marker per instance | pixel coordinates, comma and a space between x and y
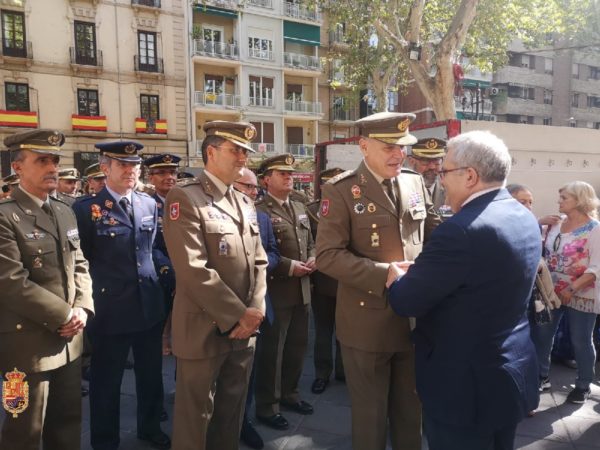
127, 295
269, 243
469, 289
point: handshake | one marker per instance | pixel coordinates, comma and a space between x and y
397, 269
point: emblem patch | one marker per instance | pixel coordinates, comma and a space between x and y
324, 207
363, 179
359, 208
15, 393
96, 212
37, 262
174, 211
108, 204
355, 192
371, 207
130, 149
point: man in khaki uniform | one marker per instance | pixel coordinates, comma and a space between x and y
426, 158
371, 217
214, 244
284, 342
95, 178
46, 299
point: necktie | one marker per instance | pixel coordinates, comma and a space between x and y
48, 210
124, 202
288, 210
389, 190
229, 197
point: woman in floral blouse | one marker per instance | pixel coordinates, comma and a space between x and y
572, 251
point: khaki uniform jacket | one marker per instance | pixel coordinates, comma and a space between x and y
220, 265
43, 274
438, 196
323, 285
360, 233
295, 242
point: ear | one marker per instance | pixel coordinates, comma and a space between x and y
362, 143
472, 177
16, 166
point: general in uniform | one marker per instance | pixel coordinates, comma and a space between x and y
283, 344
46, 298
214, 244
371, 217
117, 228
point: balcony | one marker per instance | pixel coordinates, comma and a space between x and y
260, 54
312, 108
264, 102
302, 12
17, 51
343, 115
301, 150
214, 49
299, 61
263, 147
146, 3
337, 37
261, 3
148, 65
213, 99
86, 62
225, 4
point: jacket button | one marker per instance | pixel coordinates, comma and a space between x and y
39, 250
112, 234
64, 249
370, 292
137, 248
102, 290
19, 326
139, 280
362, 303
45, 324
139, 265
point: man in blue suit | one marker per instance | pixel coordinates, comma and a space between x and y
469, 289
117, 227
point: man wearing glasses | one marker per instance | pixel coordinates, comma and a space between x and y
213, 240
476, 366
426, 159
371, 217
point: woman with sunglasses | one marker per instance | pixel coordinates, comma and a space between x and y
572, 252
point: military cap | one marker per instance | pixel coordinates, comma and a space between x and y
430, 148
284, 162
328, 174
93, 171
183, 175
127, 151
388, 127
240, 133
68, 174
163, 160
13, 178
38, 141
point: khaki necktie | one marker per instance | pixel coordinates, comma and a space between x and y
389, 190
288, 210
48, 210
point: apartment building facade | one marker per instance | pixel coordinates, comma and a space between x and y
95, 70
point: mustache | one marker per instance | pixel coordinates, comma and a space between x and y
51, 177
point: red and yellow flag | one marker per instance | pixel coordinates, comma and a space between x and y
160, 126
25, 119
89, 123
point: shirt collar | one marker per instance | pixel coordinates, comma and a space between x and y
118, 196
278, 200
474, 195
222, 187
377, 177
38, 201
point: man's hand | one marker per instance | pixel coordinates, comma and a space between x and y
74, 326
248, 324
302, 269
395, 270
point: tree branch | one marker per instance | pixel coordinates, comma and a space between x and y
413, 32
456, 35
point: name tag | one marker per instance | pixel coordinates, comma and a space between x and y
73, 234
147, 218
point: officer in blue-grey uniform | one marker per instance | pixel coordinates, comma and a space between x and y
117, 229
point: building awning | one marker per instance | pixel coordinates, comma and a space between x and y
213, 10
473, 83
302, 33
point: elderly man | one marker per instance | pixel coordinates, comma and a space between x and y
476, 366
213, 240
426, 158
370, 217
46, 299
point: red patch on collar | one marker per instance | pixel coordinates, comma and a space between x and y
324, 207
174, 211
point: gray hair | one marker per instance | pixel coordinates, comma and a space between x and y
515, 188
103, 159
484, 152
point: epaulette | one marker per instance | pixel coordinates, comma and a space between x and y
143, 194
341, 176
62, 201
410, 171
6, 200
84, 198
187, 182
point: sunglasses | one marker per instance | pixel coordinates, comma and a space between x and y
556, 243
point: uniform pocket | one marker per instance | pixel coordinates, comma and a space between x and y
221, 239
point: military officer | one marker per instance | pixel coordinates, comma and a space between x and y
323, 307
46, 299
370, 217
213, 240
162, 173
67, 181
284, 342
117, 228
11, 181
426, 158
95, 178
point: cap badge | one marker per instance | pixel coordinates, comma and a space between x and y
431, 144
249, 133
289, 160
130, 149
167, 159
54, 139
403, 125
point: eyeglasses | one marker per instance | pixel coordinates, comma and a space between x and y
556, 244
442, 173
247, 185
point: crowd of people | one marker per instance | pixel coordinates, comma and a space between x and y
436, 294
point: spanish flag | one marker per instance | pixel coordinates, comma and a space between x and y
25, 119
88, 123
160, 126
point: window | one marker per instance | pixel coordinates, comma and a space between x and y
548, 66
261, 91
87, 102
17, 97
260, 48
593, 101
523, 92
13, 34
147, 51
594, 73
573, 123
294, 92
575, 70
213, 84
575, 100
149, 107
212, 34
265, 132
547, 97
528, 61
85, 43
547, 121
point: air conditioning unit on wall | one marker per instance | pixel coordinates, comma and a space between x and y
494, 91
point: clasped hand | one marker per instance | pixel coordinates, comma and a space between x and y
395, 270
74, 326
248, 324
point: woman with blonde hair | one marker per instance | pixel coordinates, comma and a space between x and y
572, 252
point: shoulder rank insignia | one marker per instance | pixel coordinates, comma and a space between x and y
15, 393
341, 176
